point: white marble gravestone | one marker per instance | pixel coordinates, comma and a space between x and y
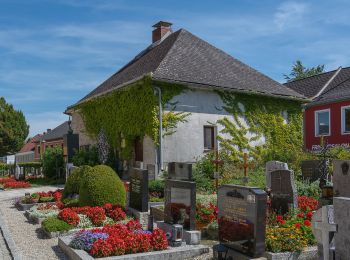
273, 166
322, 227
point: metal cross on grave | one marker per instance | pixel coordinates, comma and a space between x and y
246, 165
217, 162
322, 226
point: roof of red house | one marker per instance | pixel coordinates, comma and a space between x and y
338, 87
30, 145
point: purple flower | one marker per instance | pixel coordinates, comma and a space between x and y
145, 232
84, 240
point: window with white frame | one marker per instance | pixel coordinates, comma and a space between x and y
322, 122
345, 120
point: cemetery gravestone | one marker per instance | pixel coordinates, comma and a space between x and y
283, 191
273, 166
180, 171
323, 228
180, 203
342, 237
242, 218
138, 190
341, 178
310, 170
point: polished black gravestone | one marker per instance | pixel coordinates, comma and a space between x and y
180, 171
138, 190
310, 170
283, 191
180, 203
242, 219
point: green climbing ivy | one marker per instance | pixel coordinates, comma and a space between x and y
130, 113
256, 117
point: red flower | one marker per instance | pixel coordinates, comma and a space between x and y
309, 214
57, 196
101, 248
297, 225
159, 240
301, 215
307, 223
96, 215
133, 225
69, 216
16, 184
117, 214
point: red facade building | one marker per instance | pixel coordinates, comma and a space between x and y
328, 114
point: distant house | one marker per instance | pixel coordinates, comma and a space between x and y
328, 114
182, 58
27, 152
51, 138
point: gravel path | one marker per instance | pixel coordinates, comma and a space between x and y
31, 243
4, 251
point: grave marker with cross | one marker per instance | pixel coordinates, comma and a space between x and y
217, 162
246, 165
323, 226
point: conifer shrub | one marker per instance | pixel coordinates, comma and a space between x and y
73, 182
101, 185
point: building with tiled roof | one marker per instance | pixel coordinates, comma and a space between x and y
328, 114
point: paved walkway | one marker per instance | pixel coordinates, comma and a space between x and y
29, 241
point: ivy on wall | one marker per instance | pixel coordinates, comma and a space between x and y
130, 113
277, 121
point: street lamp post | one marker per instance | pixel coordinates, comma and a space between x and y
160, 150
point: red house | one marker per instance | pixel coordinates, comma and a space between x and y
328, 114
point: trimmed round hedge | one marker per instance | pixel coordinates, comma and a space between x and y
101, 185
73, 182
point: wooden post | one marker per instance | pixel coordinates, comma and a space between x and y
217, 162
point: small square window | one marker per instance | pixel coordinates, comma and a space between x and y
322, 122
209, 137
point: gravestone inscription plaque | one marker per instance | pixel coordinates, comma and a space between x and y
180, 203
242, 218
341, 178
273, 166
310, 170
283, 191
138, 190
180, 171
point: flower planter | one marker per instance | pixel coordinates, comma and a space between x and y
22, 206
157, 213
33, 219
309, 253
172, 253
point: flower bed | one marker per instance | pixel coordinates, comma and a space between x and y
40, 212
10, 183
77, 218
37, 198
292, 232
119, 239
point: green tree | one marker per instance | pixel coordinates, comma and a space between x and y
299, 71
53, 162
13, 128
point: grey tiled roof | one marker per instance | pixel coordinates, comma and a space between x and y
56, 133
338, 89
185, 58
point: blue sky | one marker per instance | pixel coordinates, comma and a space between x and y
52, 53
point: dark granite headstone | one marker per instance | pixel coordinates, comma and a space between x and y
273, 166
180, 171
310, 170
180, 203
341, 178
242, 218
283, 191
138, 190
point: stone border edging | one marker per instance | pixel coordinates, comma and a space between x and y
174, 253
310, 253
14, 250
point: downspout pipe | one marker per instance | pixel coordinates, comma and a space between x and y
160, 148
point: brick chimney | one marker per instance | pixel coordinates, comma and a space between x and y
161, 29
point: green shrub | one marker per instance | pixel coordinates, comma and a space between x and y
101, 185
54, 224
203, 173
156, 186
73, 182
308, 189
86, 157
53, 162
46, 199
69, 203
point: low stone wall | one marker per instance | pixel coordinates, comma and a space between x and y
143, 217
22, 207
157, 214
33, 219
173, 253
308, 254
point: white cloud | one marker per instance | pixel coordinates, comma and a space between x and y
289, 14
